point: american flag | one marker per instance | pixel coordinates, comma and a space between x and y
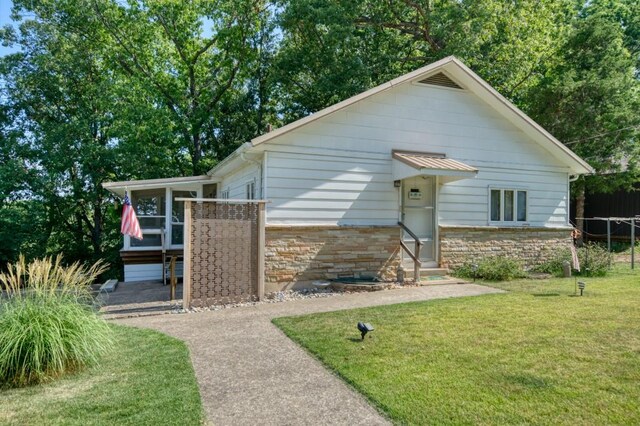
130, 224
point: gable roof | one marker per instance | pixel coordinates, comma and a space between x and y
462, 75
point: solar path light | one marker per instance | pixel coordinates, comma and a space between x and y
364, 328
474, 268
581, 286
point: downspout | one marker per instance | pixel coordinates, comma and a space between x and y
571, 178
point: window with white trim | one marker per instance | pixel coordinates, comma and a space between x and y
508, 205
251, 190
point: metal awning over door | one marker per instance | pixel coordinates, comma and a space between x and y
409, 164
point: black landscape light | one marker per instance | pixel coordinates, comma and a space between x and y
581, 286
474, 268
364, 328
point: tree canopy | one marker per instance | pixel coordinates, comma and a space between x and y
105, 90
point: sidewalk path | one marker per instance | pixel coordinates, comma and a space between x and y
249, 372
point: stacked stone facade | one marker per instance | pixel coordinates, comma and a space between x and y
531, 246
297, 255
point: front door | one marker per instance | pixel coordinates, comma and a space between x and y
418, 214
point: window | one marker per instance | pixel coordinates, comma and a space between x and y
508, 205
177, 216
251, 190
209, 190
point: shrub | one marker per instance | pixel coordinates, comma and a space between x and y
594, 261
47, 324
555, 264
492, 268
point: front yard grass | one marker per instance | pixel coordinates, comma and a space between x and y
533, 355
146, 380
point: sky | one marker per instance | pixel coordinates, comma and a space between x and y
5, 11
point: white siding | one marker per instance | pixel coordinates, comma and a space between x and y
466, 202
337, 170
318, 189
147, 272
236, 182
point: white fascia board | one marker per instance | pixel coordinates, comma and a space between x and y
229, 163
352, 100
514, 115
470, 81
119, 188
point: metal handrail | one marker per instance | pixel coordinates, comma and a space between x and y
411, 255
410, 232
164, 257
417, 264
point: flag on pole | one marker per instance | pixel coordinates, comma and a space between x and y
574, 258
130, 224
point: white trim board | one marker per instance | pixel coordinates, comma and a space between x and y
462, 74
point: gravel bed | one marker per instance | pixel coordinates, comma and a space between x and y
278, 297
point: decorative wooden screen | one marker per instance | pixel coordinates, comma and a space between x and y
224, 251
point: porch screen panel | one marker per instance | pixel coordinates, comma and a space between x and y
150, 209
177, 215
224, 253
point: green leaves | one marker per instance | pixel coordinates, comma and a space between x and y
590, 97
118, 90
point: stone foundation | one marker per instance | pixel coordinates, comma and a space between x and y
295, 255
531, 246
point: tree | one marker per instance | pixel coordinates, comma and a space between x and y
65, 103
332, 49
590, 100
109, 90
192, 58
22, 223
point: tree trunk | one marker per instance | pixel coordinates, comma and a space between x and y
197, 153
580, 214
96, 232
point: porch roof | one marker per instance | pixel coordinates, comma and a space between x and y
119, 188
409, 164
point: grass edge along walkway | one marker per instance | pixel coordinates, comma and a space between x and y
534, 355
147, 379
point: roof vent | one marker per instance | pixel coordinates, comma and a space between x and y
440, 79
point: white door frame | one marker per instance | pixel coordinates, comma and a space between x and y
435, 249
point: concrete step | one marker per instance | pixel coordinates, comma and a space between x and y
109, 287
443, 281
425, 272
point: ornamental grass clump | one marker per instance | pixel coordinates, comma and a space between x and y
48, 324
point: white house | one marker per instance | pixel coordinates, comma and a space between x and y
437, 150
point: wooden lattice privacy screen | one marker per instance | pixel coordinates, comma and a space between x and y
223, 251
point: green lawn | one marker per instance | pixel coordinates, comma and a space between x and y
533, 355
147, 380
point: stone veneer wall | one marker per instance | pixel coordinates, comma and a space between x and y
530, 245
297, 255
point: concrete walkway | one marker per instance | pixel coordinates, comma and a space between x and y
249, 372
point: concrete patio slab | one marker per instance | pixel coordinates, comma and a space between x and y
249, 372
139, 299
